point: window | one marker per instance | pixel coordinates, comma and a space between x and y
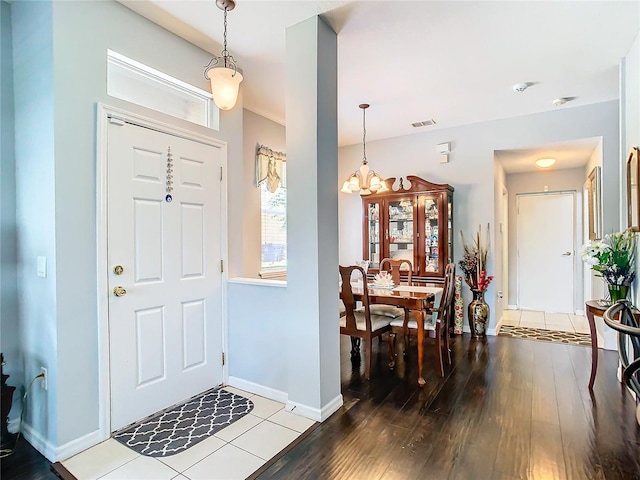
274, 228
140, 84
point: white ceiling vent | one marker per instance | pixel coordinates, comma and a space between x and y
426, 123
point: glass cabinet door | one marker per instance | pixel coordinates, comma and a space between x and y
400, 232
431, 229
373, 234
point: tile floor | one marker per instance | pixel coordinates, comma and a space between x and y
562, 322
235, 452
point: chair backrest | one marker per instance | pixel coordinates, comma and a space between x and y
395, 267
348, 298
622, 318
446, 302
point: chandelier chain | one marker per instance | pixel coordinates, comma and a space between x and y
225, 52
364, 136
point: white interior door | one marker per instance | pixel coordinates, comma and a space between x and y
545, 241
165, 332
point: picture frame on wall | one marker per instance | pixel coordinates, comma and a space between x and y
594, 203
633, 199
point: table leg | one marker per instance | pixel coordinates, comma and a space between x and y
594, 347
420, 319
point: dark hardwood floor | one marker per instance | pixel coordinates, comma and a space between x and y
26, 463
508, 409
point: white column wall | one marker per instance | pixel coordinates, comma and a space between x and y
312, 218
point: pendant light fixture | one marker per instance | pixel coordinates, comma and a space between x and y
364, 180
222, 71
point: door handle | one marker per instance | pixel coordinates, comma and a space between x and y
119, 291
566, 254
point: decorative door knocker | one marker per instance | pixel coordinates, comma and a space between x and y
169, 188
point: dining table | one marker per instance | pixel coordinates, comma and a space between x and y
418, 299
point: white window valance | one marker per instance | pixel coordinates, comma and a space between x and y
271, 168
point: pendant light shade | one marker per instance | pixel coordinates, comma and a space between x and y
222, 71
225, 84
364, 180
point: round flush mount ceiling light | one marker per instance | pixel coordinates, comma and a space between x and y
559, 101
520, 87
545, 162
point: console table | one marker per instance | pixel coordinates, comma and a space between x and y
593, 309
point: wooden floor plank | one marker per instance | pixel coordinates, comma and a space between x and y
506, 409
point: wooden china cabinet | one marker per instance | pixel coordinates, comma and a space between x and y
414, 223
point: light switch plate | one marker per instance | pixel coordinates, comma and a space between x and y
42, 267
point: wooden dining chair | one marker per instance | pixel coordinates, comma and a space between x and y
360, 324
439, 327
394, 267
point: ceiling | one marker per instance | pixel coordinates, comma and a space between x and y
453, 62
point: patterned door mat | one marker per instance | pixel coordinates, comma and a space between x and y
583, 339
173, 431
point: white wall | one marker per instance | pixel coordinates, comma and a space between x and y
257, 131
500, 234
536, 182
60, 75
594, 288
630, 115
471, 169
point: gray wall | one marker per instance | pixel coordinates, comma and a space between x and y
60, 75
9, 339
257, 131
471, 168
258, 335
535, 182
32, 24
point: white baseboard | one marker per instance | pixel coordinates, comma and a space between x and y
580, 313
78, 445
38, 442
257, 389
490, 331
62, 452
317, 414
512, 307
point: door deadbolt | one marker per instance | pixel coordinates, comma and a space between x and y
119, 291
118, 269
566, 254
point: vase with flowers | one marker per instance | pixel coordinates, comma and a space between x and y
613, 258
473, 265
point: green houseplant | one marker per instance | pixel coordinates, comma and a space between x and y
613, 258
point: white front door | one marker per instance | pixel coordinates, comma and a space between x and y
545, 241
165, 328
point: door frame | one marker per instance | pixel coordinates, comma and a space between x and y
574, 212
104, 112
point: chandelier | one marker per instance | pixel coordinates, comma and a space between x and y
364, 180
222, 70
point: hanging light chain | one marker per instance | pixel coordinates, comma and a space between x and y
225, 57
225, 52
364, 136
